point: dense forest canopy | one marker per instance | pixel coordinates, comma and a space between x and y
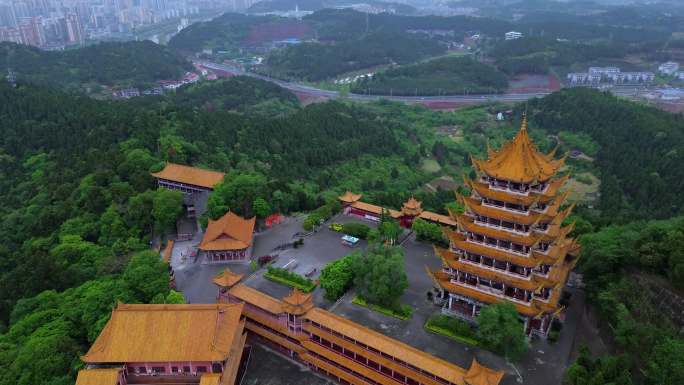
110, 64
641, 149
316, 61
442, 76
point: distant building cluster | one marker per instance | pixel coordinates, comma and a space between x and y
164, 85
671, 69
513, 35
609, 75
56, 24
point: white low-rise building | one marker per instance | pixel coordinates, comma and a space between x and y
513, 35
669, 68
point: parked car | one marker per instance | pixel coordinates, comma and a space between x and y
336, 227
264, 259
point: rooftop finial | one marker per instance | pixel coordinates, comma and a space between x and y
523, 126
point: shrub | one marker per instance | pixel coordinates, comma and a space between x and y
453, 325
337, 277
426, 231
322, 213
358, 230
289, 278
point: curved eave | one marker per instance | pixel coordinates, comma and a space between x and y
467, 224
532, 310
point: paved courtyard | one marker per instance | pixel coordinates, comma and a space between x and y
267, 367
543, 365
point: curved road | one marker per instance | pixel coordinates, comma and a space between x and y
296, 87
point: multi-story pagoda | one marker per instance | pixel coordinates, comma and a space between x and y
510, 243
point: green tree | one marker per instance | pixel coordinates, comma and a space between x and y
167, 207
237, 193
261, 208
426, 231
337, 277
500, 329
379, 275
146, 276
112, 227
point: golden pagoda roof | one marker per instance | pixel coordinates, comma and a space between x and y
349, 197
230, 232
518, 160
227, 278
157, 333
98, 376
298, 302
190, 175
412, 207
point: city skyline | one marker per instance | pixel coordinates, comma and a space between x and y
57, 24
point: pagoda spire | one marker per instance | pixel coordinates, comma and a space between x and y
523, 125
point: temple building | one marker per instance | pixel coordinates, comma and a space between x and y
228, 239
167, 344
189, 180
510, 244
410, 210
339, 348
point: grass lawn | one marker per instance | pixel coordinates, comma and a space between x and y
430, 166
580, 190
434, 325
448, 334
305, 288
407, 310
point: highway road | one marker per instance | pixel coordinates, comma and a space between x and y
313, 91
317, 92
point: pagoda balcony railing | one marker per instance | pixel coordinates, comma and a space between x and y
504, 208
492, 186
496, 269
495, 227
528, 254
488, 290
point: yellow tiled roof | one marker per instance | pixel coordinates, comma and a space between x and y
98, 376
210, 379
257, 298
155, 333
227, 278
298, 302
349, 197
230, 232
383, 343
374, 209
481, 375
190, 175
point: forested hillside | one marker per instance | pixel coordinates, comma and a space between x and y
316, 61
240, 93
641, 150
443, 76
110, 64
